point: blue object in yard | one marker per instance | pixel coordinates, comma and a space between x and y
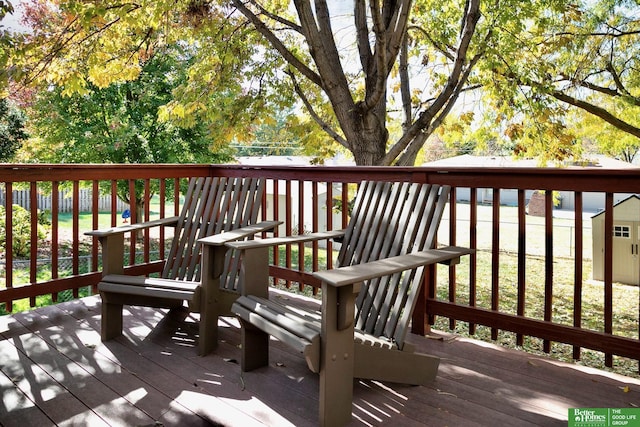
126, 214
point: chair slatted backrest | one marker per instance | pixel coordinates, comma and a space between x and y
390, 219
212, 205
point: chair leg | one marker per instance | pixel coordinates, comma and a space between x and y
336, 357
255, 347
111, 325
208, 327
336, 393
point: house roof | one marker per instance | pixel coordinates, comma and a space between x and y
274, 160
594, 161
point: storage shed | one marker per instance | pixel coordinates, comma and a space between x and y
626, 242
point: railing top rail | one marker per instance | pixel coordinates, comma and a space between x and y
66, 172
570, 178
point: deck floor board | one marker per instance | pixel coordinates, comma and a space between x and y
54, 370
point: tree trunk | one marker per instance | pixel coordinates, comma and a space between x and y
369, 136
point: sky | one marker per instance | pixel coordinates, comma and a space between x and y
12, 21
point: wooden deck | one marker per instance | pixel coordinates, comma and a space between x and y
55, 370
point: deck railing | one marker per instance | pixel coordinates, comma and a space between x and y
309, 199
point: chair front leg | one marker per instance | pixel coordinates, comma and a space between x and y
212, 269
337, 356
255, 347
111, 320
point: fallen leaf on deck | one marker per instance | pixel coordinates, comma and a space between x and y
446, 393
280, 364
625, 389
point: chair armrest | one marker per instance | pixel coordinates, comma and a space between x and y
349, 275
239, 233
274, 241
105, 232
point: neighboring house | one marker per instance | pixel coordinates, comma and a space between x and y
591, 202
626, 242
302, 218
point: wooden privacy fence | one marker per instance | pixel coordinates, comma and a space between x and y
65, 201
309, 198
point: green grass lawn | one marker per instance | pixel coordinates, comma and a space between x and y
626, 304
85, 219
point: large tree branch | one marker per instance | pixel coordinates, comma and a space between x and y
376, 75
68, 35
397, 29
619, 91
617, 79
362, 34
325, 54
408, 156
314, 115
319, 35
445, 50
405, 84
458, 73
598, 34
598, 112
277, 44
277, 18
390, 27
470, 20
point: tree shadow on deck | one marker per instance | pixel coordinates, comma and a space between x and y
54, 369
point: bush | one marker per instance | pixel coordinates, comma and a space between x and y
21, 230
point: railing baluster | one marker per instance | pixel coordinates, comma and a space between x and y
75, 251
176, 197
608, 271
522, 260
276, 217
345, 204
288, 227
301, 229
114, 201
329, 206
453, 219
133, 208
548, 262
162, 213
577, 290
473, 258
9, 241
147, 214
33, 264
55, 229
314, 228
95, 224
495, 258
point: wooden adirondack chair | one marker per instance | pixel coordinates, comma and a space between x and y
224, 207
388, 242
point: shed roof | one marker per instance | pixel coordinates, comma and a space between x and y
623, 201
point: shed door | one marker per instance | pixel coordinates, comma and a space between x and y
626, 261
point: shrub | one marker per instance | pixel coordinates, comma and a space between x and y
21, 230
